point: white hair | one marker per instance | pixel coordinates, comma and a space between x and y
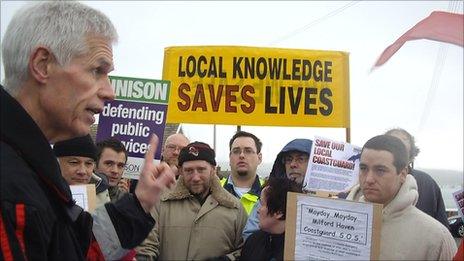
60, 26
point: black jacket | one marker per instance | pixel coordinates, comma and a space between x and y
39, 219
430, 199
263, 246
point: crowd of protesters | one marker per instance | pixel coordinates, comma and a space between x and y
57, 56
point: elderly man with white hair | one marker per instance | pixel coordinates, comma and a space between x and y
57, 56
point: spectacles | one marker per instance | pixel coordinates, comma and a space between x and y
173, 147
298, 159
246, 151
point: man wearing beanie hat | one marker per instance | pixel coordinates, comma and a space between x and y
77, 159
199, 215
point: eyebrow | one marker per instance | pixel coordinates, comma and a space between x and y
246, 147
375, 166
106, 64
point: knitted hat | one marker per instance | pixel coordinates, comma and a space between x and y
197, 151
80, 146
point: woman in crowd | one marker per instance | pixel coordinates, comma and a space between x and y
268, 242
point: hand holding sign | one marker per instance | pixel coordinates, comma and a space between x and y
154, 178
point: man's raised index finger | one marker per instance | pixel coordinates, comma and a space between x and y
150, 155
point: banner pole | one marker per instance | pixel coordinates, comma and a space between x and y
348, 135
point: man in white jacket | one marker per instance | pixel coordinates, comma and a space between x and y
407, 233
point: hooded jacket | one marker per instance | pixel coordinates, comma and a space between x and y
188, 230
301, 145
278, 170
408, 233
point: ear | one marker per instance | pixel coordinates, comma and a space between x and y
403, 174
260, 157
39, 63
213, 170
278, 215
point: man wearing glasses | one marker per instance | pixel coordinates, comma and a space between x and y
244, 158
291, 162
170, 154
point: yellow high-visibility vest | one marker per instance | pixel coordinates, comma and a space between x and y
248, 199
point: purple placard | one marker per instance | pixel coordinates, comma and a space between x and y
133, 123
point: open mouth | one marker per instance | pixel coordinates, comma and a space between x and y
94, 110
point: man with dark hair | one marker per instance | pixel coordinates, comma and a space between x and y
268, 242
407, 233
430, 199
290, 163
111, 160
198, 219
57, 56
244, 158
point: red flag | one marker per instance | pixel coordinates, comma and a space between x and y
439, 26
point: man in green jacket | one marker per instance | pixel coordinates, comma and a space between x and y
198, 219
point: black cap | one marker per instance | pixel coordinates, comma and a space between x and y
197, 151
80, 146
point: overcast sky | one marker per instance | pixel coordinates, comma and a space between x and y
394, 95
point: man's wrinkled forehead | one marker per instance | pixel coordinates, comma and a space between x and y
98, 50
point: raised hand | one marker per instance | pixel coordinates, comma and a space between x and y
153, 179
124, 185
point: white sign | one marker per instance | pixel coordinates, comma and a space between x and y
459, 200
333, 166
331, 229
84, 195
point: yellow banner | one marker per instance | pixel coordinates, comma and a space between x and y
257, 86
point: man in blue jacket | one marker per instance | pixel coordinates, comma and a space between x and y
291, 162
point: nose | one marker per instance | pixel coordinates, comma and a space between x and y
81, 171
195, 176
293, 164
114, 169
370, 177
106, 91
